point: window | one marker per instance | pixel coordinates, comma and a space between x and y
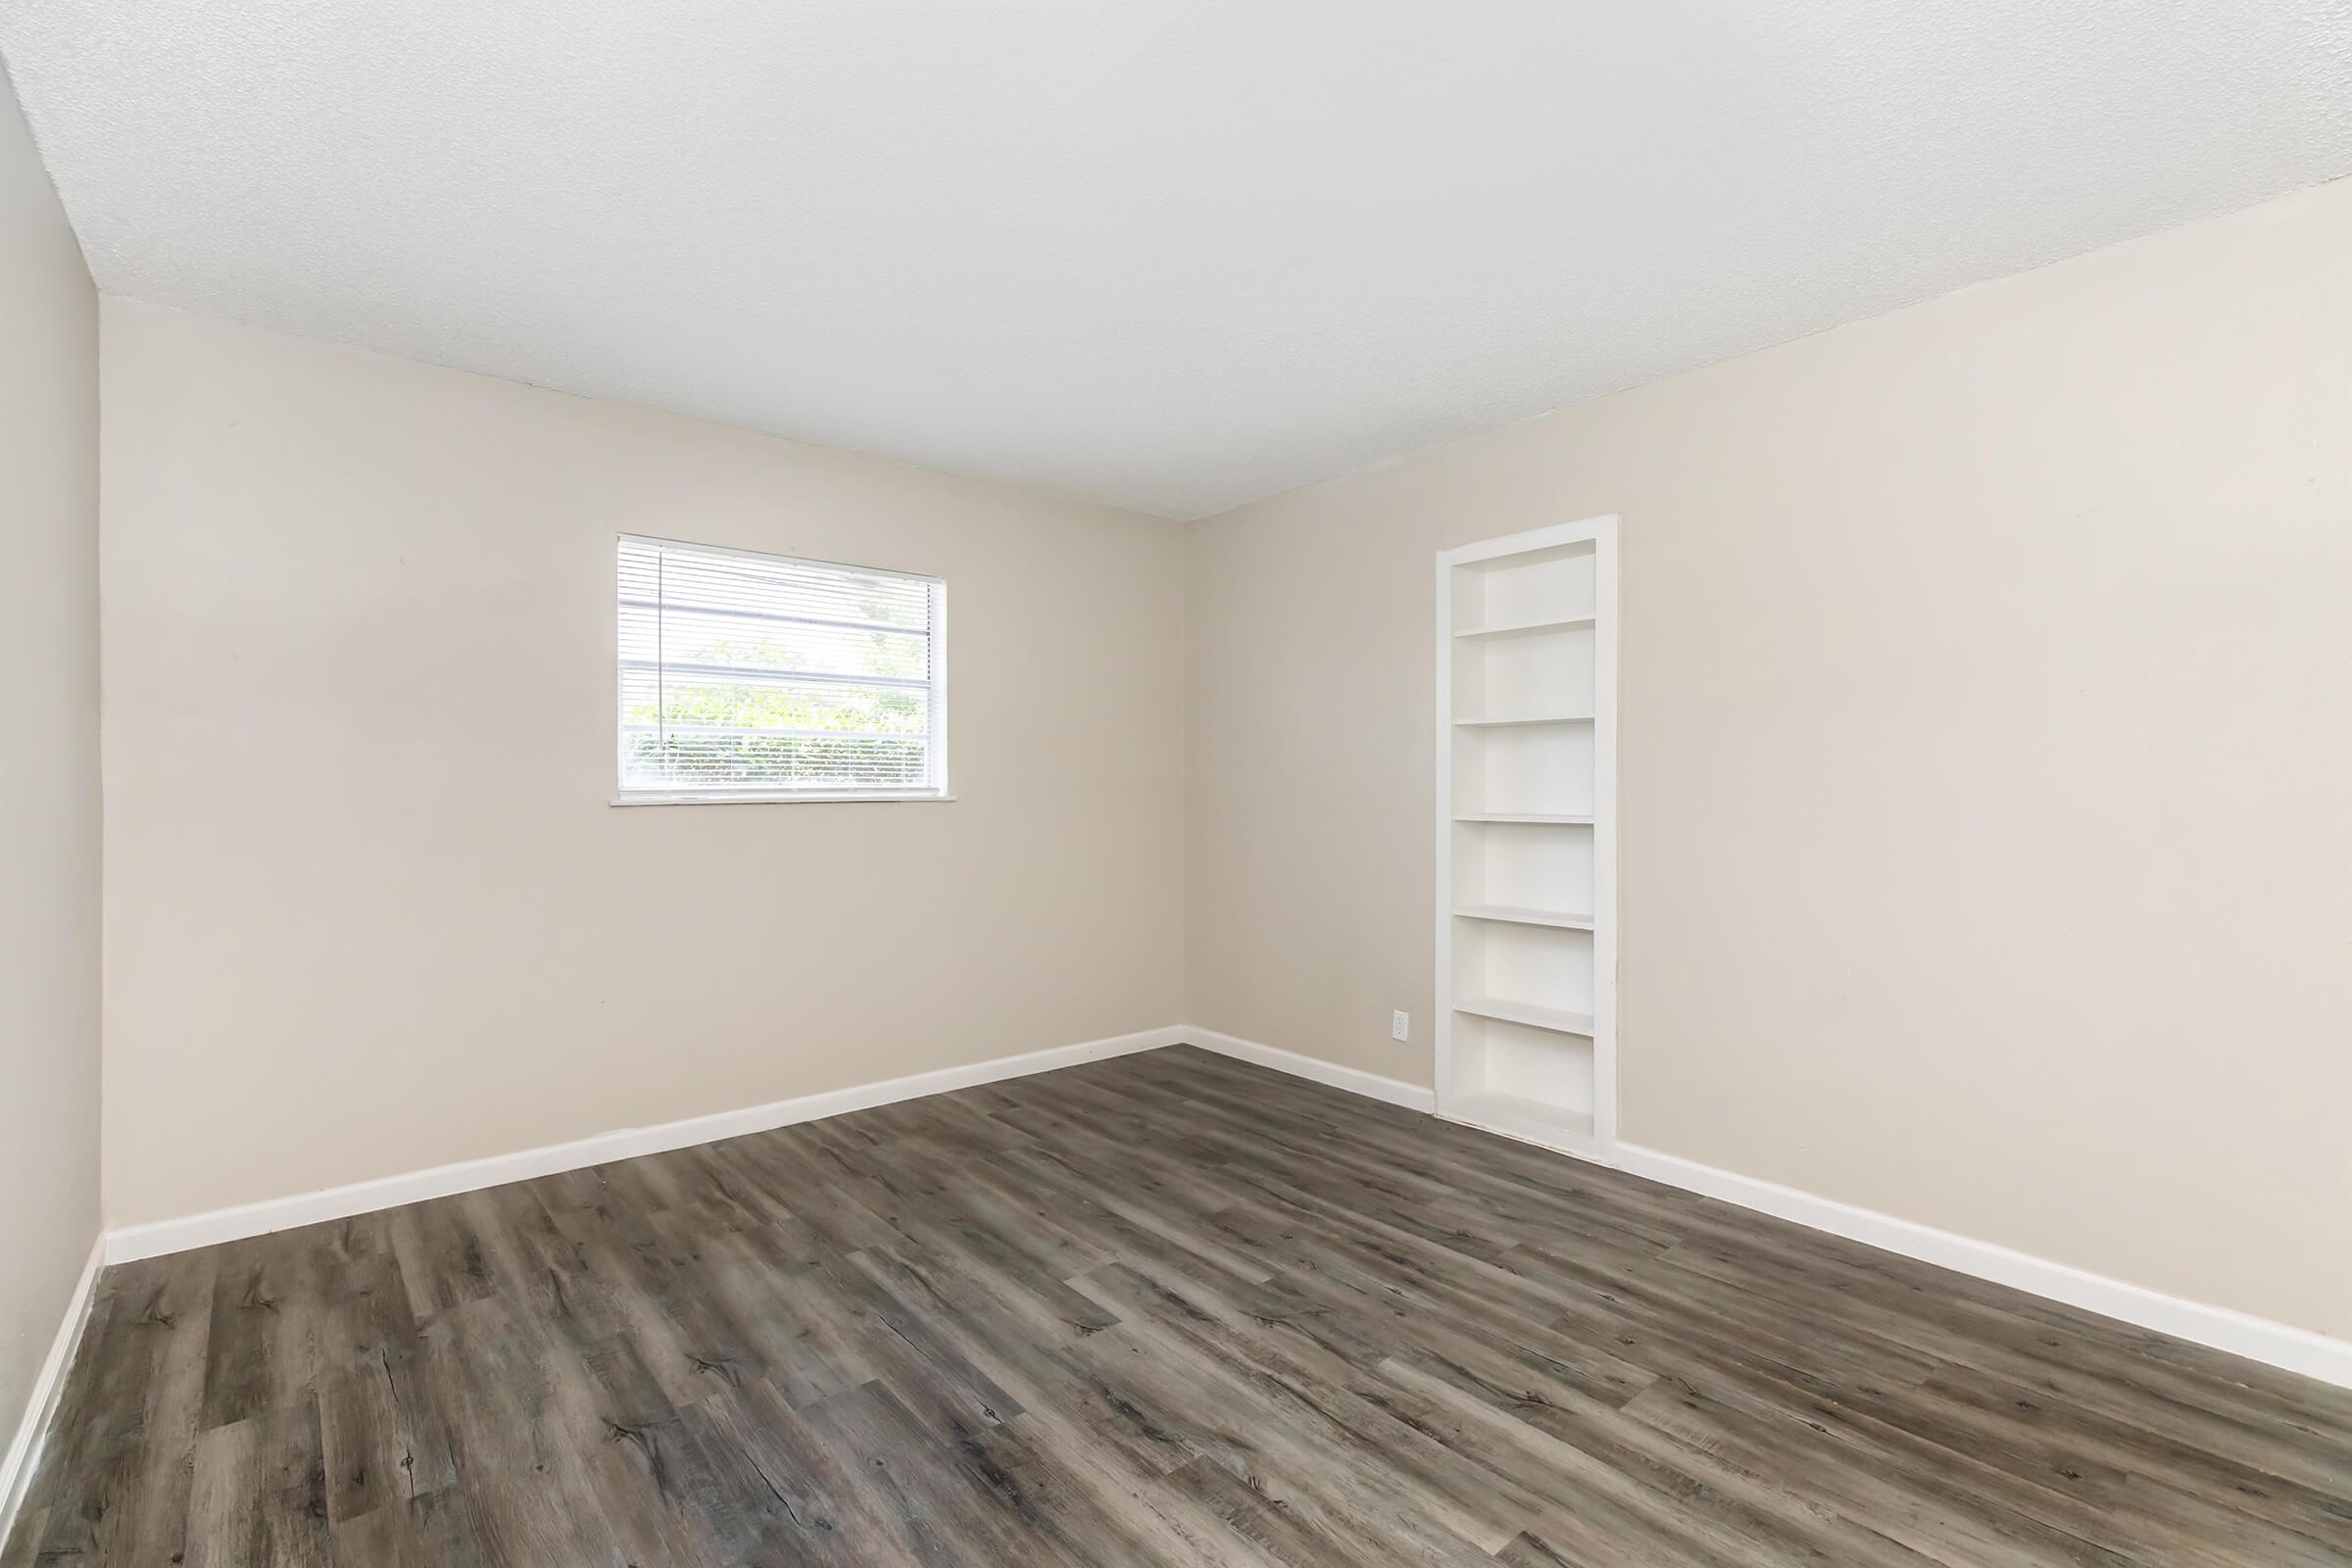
748, 678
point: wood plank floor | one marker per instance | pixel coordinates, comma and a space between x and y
1167, 1309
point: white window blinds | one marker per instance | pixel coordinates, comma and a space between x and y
760, 678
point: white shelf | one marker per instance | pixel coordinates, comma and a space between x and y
1527, 628
1536, 1120
1559, 1020
1523, 718
1516, 915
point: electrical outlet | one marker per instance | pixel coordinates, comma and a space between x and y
1401, 1025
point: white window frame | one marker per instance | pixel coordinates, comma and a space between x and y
769, 795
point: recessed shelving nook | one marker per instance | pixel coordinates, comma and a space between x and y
1527, 835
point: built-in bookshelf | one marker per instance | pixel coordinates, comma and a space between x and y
1527, 835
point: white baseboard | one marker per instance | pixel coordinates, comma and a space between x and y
2293, 1349
442, 1181
2314, 1355
24, 1448
1371, 1085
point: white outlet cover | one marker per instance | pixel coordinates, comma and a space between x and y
1400, 1024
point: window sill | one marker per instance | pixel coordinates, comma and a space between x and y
697, 799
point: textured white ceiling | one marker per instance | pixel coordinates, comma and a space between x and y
1173, 253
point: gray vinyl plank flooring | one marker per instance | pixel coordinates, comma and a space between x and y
1166, 1309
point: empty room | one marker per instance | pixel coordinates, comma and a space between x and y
895, 784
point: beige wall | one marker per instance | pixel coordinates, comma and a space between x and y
1987, 756
1988, 685
369, 910
49, 781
